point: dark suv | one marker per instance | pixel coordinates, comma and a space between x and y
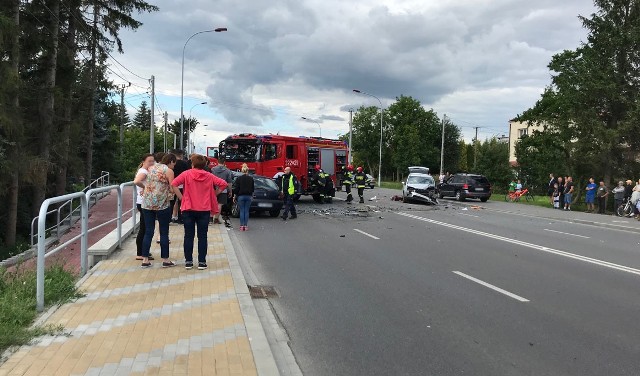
464, 186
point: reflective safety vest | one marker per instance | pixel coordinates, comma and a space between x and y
361, 179
348, 178
291, 189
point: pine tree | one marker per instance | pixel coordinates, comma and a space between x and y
142, 120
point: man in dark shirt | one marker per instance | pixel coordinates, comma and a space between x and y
288, 190
568, 193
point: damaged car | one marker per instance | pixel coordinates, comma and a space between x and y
419, 186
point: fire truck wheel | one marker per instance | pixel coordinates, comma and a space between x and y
317, 198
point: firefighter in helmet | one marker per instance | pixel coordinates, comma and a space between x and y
360, 180
348, 181
319, 180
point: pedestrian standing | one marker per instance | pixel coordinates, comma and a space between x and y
148, 161
243, 193
288, 186
590, 197
555, 196
221, 171
568, 193
561, 190
360, 179
618, 196
157, 196
180, 167
603, 193
551, 188
348, 181
197, 202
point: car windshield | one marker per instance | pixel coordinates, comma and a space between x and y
420, 180
264, 183
212, 152
240, 151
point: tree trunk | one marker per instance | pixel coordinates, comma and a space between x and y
46, 108
64, 128
92, 95
14, 182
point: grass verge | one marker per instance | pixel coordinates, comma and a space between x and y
18, 303
542, 201
391, 184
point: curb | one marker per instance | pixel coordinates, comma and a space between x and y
569, 220
262, 354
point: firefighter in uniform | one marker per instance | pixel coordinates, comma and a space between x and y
319, 182
348, 181
360, 180
288, 189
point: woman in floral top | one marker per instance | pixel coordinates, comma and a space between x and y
157, 196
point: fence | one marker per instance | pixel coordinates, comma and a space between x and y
84, 198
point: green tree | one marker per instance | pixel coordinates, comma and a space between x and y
493, 162
366, 138
462, 163
189, 126
539, 154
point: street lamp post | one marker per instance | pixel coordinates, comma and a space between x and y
315, 121
218, 30
380, 159
189, 129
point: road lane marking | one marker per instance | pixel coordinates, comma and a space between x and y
492, 287
364, 233
469, 215
574, 256
566, 233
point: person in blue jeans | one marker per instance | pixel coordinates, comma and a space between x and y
243, 189
590, 197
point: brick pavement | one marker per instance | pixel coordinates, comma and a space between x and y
155, 321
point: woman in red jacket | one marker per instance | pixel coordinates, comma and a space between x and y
198, 202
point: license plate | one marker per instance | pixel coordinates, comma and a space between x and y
479, 189
265, 204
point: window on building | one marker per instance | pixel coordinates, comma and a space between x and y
523, 132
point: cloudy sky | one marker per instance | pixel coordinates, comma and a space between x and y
480, 62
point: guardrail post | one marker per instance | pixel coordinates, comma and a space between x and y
119, 218
42, 218
84, 238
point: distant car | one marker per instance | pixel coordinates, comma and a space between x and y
370, 182
464, 186
266, 197
419, 186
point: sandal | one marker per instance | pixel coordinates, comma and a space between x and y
145, 265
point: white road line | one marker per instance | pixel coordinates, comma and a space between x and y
566, 233
496, 288
574, 256
469, 215
364, 233
620, 221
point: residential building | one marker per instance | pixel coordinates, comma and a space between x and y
518, 129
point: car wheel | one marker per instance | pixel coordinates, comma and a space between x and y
317, 198
459, 196
274, 213
235, 211
484, 199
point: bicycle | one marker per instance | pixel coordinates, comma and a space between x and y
625, 209
515, 196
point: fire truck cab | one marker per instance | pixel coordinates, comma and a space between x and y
267, 155
212, 156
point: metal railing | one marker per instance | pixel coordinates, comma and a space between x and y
84, 198
102, 181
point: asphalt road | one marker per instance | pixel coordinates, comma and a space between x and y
422, 290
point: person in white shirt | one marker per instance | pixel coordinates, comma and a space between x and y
147, 162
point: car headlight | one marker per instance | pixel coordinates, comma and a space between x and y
410, 189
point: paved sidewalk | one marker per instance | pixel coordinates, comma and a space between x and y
155, 321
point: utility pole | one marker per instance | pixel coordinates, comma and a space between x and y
122, 118
350, 159
444, 119
152, 129
165, 131
475, 151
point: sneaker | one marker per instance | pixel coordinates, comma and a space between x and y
188, 265
294, 216
168, 264
283, 218
202, 265
145, 265
227, 224
246, 228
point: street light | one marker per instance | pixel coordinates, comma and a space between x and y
189, 129
315, 121
380, 160
218, 30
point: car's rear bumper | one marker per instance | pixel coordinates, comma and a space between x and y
266, 205
476, 194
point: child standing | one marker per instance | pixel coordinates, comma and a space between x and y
556, 197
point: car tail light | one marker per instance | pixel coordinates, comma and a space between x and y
465, 186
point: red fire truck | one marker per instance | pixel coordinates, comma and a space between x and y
269, 154
212, 156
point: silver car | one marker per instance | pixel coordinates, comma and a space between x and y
419, 187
